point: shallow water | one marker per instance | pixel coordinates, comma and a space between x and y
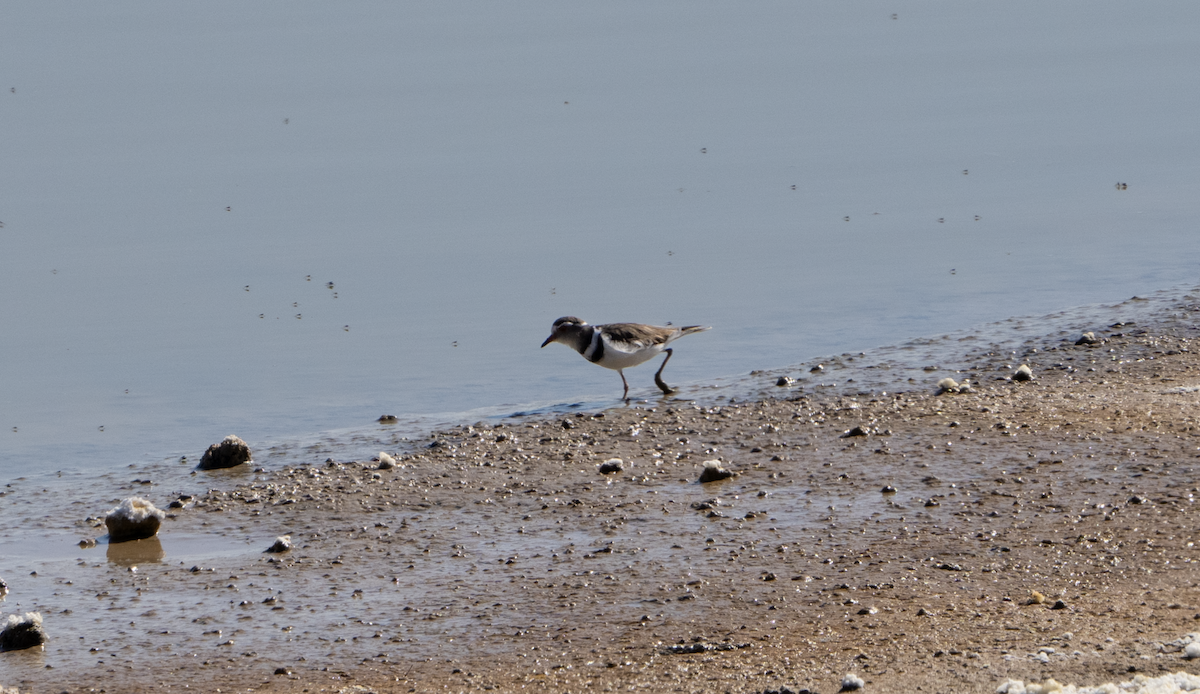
183, 186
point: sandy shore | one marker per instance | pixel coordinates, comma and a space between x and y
1038, 529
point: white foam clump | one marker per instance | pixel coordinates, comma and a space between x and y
13, 620
1174, 683
135, 510
852, 682
1189, 644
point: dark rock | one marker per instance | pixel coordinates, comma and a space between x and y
611, 466
713, 472
282, 544
229, 453
1023, 373
856, 431
387, 419
1087, 339
18, 633
134, 519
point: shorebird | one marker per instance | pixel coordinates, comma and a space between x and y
619, 346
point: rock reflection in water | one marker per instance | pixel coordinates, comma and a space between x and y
133, 552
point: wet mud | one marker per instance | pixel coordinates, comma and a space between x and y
923, 542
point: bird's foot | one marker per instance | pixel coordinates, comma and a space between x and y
666, 389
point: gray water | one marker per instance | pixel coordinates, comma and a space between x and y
179, 185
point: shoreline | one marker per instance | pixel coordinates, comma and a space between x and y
500, 559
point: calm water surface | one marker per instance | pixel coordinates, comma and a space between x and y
279, 220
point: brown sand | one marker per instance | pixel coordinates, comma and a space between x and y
499, 559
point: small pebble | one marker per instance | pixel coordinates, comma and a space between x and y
1023, 373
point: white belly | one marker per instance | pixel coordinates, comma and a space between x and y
616, 359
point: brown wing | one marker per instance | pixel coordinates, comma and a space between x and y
636, 333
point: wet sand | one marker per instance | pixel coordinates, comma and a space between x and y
1052, 517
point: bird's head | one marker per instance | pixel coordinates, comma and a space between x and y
567, 325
